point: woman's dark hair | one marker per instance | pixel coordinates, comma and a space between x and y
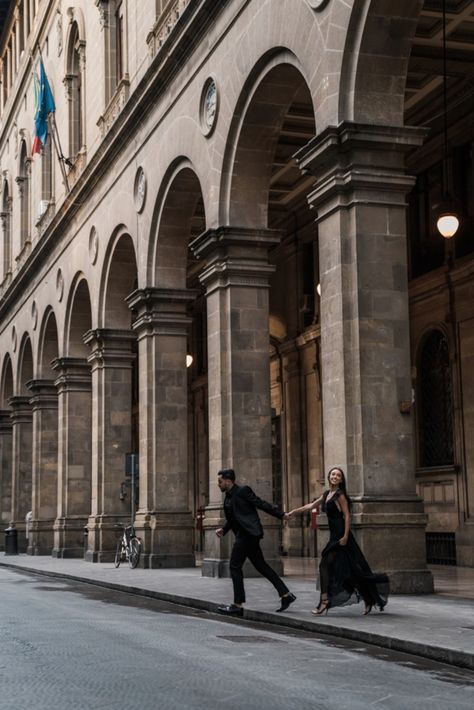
342, 485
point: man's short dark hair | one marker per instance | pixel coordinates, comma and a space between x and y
228, 474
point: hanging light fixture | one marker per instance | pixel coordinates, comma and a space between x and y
447, 220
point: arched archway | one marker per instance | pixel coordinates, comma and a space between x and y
271, 235
112, 356
6, 392
74, 387
22, 441
169, 323
44, 402
375, 63
274, 117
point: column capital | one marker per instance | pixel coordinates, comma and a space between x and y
110, 347
73, 374
161, 310
235, 256
5, 421
21, 409
44, 394
356, 163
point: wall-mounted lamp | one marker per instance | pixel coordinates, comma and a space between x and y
189, 360
447, 220
318, 290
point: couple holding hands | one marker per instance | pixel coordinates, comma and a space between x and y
344, 574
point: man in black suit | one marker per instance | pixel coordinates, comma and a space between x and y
240, 508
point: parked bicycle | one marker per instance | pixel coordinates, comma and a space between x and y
129, 546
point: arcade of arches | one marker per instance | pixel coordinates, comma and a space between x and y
267, 238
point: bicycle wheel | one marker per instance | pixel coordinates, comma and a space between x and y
134, 555
118, 553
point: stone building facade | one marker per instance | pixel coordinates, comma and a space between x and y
235, 189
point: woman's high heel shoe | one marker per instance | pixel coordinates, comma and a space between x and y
368, 609
323, 607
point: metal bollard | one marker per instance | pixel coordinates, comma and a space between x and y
11, 541
86, 540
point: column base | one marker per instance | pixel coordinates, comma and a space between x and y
156, 561
41, 537
69, 538
167, 539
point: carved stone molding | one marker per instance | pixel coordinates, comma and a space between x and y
165, 25
104, 13
115, 106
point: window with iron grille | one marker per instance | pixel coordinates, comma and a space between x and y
441, 548
435, 396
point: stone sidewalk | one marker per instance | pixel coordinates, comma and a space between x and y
438, 626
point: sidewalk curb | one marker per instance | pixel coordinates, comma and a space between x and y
449, 656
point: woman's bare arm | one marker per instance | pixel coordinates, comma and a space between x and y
308, 506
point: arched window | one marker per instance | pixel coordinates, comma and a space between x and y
436, 403
6, 230
23, 181
75, 89
112, 14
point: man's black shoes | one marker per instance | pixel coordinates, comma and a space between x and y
286, 601
231, 610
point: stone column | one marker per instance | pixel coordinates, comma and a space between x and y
74, 388
111, 361
360, 198
22, 442
164, 519
236, 276
5, 471
44, 401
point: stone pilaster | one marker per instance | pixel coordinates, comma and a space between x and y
5, 472
360, 199
164, 519
236, 276
111, 362
74, 387
44, 401
22, 444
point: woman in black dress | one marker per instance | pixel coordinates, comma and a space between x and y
344, 573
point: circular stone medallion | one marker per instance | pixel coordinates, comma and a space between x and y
209, 106
59, 285
139, 189
34, 314
93, 245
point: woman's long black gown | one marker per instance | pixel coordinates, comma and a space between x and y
345, 575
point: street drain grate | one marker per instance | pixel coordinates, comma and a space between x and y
251, 639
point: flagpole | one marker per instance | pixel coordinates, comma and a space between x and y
51, 119
59, 152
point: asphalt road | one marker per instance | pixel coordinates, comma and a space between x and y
68, 646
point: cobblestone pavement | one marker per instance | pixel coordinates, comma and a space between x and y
68, 645
438, 626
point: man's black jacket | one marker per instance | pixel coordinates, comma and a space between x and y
244, 511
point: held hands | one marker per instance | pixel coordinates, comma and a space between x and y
220, 532
343, 540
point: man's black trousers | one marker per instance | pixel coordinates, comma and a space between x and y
249, 546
